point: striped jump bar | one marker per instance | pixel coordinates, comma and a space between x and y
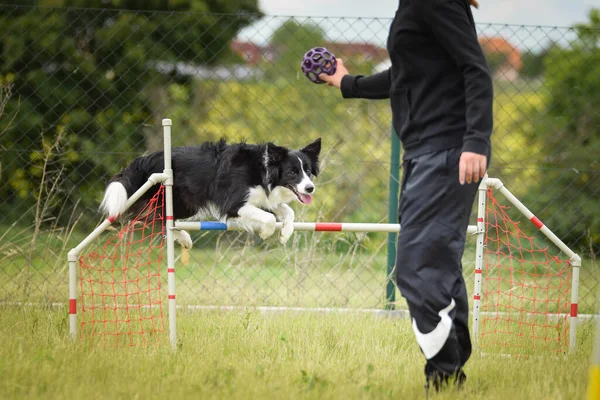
303, 226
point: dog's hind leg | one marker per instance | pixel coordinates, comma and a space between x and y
251, 217
286, 215
183, 238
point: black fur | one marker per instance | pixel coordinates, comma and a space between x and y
219, 173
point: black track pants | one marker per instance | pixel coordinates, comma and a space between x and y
434, 214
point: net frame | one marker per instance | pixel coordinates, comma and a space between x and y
74, 256
574, 260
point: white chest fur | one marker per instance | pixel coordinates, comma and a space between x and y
210, 211
280, 195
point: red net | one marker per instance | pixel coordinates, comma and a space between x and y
120, 282
525, 299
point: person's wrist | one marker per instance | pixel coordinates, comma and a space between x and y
339, 83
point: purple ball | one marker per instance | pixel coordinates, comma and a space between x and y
316, 61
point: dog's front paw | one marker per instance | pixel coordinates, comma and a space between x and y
286, 216
183, 238
267, 229
286, 231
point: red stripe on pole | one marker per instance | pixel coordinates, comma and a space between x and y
536, 222
169, 218
476, 297
72, 306
327, 227
171, 297
574, 310
478, 271
171, 270
479, 219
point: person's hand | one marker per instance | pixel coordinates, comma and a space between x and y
471, 167
335, 79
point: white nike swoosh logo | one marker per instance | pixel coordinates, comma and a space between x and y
431, 343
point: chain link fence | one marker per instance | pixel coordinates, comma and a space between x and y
83, 92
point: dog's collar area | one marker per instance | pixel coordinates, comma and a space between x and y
269, 179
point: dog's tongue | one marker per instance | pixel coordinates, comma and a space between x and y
306, 198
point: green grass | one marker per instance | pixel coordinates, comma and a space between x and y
247, 355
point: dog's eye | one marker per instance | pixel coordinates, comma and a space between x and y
294, 171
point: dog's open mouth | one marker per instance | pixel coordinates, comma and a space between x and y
302, 197
305, 198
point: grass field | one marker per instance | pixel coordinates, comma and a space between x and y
248, 355
244, 354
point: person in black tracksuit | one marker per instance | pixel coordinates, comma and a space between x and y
441, 96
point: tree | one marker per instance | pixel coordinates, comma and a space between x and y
290, 41
496, 60
533, 62
87, 74
567, 135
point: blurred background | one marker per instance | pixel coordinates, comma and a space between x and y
84, 86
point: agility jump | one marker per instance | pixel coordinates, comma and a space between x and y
565, 314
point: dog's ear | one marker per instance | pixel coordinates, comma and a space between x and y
312, 151
313, 148
275, 154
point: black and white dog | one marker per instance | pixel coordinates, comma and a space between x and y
249, 183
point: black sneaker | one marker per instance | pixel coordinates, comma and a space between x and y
459, 378
436, 379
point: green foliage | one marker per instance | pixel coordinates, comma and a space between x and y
569, 141
90, 74
533, 62
355, 133
287, 108
496, 60
290, 41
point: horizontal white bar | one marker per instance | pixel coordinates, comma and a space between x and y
304, 226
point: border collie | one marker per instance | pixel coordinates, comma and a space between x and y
251, 184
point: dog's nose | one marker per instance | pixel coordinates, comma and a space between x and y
309, 188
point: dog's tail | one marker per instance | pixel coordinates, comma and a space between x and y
115, 198
126, 182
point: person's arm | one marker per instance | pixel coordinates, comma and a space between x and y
450, 24
376, 86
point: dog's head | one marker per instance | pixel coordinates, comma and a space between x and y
291, 171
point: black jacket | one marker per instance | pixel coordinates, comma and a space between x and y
439, 83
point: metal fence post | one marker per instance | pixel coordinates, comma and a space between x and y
393, 219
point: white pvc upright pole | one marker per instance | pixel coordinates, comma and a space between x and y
481, 204
575, 264
169, 231
73, 294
